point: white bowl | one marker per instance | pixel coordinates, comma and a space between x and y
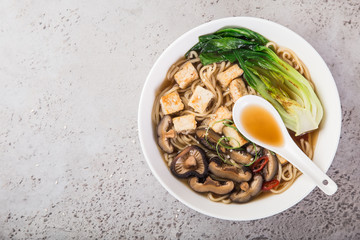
327, 142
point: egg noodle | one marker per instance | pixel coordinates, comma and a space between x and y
287, 173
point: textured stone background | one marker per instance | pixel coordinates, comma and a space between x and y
71, 73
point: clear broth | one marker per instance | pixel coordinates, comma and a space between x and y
260, 124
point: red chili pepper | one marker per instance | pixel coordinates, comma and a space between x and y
270, 185
259, 164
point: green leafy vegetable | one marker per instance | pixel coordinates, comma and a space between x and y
284, 87
276, 81
243, 33
250, 37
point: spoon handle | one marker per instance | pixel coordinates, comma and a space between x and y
301, 161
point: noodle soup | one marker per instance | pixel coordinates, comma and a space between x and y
197, 136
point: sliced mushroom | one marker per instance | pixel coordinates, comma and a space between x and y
244, 186
209, 139
253, 149
229, 172
190, 162
236, 140
210, 185
164, 134
271, 168
248, 192
241, 157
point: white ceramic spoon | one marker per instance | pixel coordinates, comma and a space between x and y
288, 149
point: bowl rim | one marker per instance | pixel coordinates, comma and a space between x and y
235, 21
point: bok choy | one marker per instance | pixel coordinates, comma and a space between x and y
274, 79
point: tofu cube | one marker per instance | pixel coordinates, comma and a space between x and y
237, 89
186, 75
171, 103
229, 74
200, 99
236, 140
186, 123
220, 114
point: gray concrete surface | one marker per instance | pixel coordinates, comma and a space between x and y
71, 73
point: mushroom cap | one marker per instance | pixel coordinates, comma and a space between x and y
190, 162
209, 138
241, 157
229, 172
271, 168
164, 134
210, 185
244, 196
